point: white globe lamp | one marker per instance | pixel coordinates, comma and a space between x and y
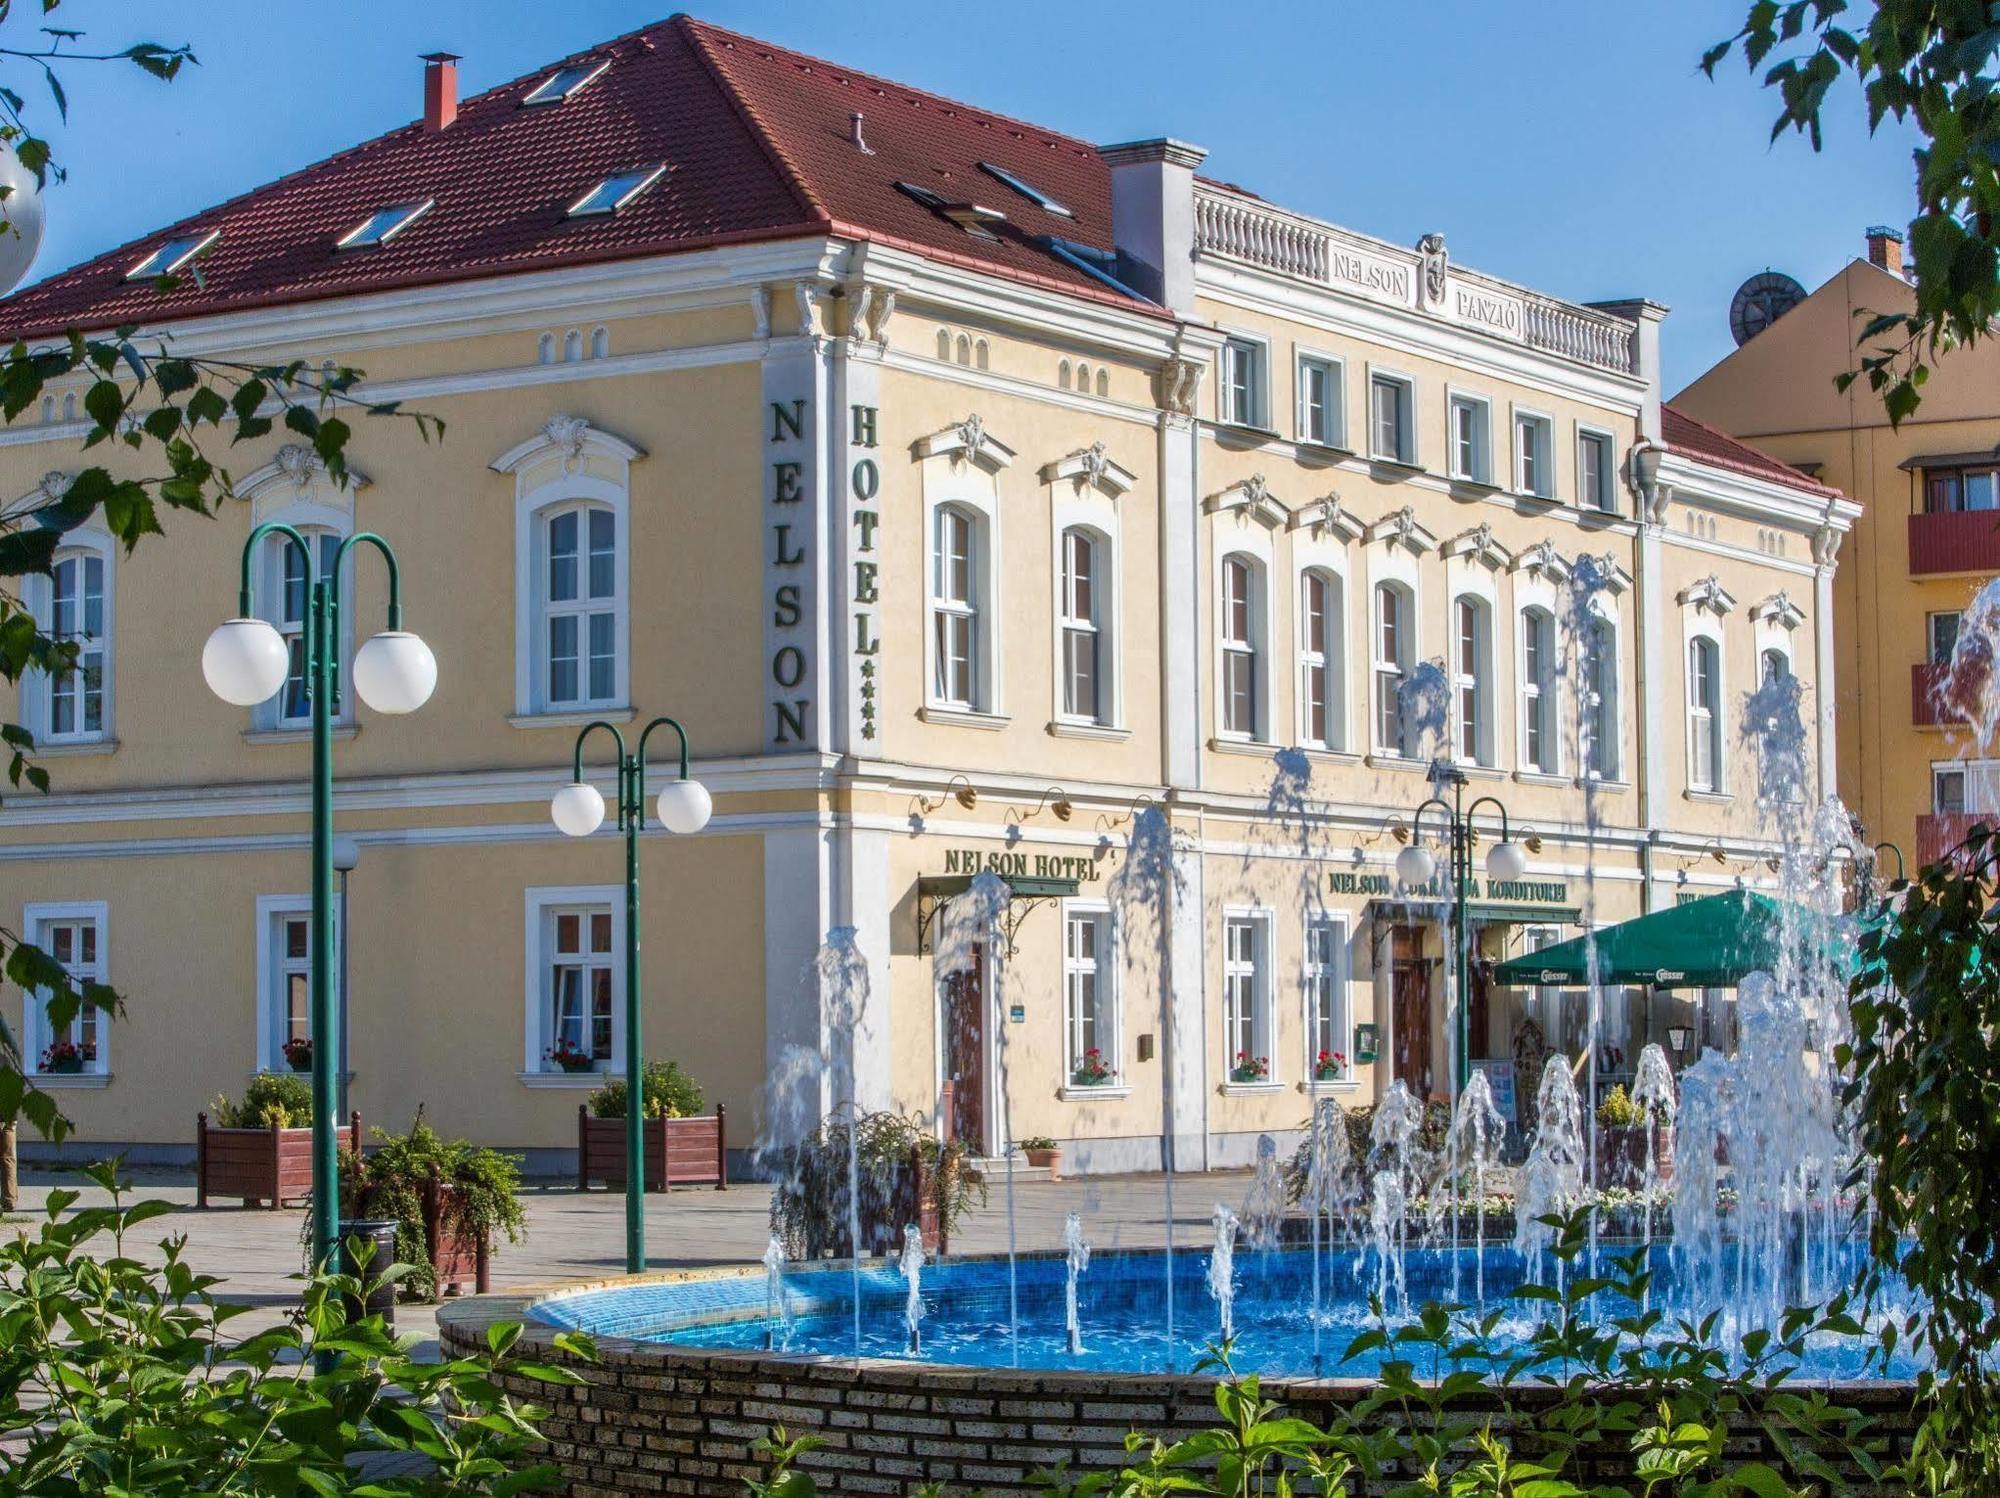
1414, 866
684, 806
1506, 862
245, 661
21, 221
577, 809
395, 672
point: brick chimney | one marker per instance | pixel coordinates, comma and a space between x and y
1885, 249
440, 89
1152, 217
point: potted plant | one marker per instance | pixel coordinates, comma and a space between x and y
681, 1145
1091, 1070
260, 1148
1329, 1066
299, 1053
1044, 1154
904, 1173
1249, 1068
568, 1058
65, 1058
1622, 1126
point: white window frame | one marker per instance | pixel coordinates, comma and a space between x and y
1601, 499
1381, 668
971, 488
1249, 355
36, 1036
1481, 469
1331, 660
540, 906
1333, 432
1536, 451
1101, 624
972, 610
1957, 616
1261, 921
581, 607
1478, 681
320, 525
1705, 715
1939, 775
1540, 694
1257, 649
86, 543
1610, 770
1405, 452
272, 968
1328, 987
1108, 1026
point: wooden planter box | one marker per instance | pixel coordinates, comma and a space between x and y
1621, 1156
456, 1256
890, 1200
679, 1151
271, 1165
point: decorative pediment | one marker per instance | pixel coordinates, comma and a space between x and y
570, 440
1541, 561
1250, 497
1778, 609
1706, 596
1091, 467
1325, 517
967, 441
1601, 573
1402, 528
1477, 544
294, 467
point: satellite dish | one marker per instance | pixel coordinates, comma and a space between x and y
1761, 301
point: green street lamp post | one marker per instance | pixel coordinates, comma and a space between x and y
245, 662
1415, 867
578, 810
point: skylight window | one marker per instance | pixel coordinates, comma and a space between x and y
383, 225
971, 217
613, 193
1032, 194
566, 81
172, 255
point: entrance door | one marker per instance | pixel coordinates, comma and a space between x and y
1410, 986
964, 1017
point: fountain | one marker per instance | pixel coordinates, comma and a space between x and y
1222, 1271
1553, 1177
1264, 1207
912, 1265
1385, 1229
1392, 1150
777, 1306
1471, 1148
1076, 1259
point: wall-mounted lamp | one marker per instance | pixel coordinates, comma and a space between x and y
958, 788
1061, 805
1400, 831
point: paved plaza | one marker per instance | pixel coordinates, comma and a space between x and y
581, 1235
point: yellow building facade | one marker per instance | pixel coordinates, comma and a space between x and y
949, 566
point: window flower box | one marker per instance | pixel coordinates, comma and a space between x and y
1249, 1068
298, 1053
565, 1057
65, 1058
272, 1165
1091, 1071
1329, 1066
678, 1151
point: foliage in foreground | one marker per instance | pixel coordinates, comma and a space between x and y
118, 1377
1925, 1090
1603, 1374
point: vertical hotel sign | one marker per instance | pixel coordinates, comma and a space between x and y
788, 565
864, 483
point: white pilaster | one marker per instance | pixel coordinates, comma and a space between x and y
796, 884
1186, 1045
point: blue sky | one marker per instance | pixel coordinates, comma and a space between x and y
1569, 144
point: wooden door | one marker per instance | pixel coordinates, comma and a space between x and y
965, 1050
1410, 982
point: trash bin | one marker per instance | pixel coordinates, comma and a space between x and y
378, 1235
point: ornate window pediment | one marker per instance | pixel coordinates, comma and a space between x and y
1091, 468
1479, 545
1402, 528
1778, 609
569, 441
1543, 561
1706, 596
1326, 517
967, 441
1249, 497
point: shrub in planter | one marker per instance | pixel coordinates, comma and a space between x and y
390, 1182
670, 1093
278, 1098
897, 1163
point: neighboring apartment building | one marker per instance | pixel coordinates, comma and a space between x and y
964, 488
1928, 535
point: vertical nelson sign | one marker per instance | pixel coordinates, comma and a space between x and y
791, 624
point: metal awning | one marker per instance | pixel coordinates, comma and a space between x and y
1024, 893
1707, 943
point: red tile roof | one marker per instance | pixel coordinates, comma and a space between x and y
758, 146
1703, 443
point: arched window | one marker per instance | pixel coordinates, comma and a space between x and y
1538, 694
572, 346
1776, 664
1103, 381
980, 354
944, 344
964, 349
77, 615
1062, 374
580, 606
1083, 684
286, 600
1322, 655
600, 342
1392, 645
1597, 709
545, 349
1472, 674
955, 607
1704, 715
1242, 647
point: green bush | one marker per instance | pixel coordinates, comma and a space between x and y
279, 1098
389, 1181
1616, 1110
670, 1092
809, 1208
118, 1378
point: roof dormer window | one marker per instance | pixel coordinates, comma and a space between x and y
1033, 194
383, 225
969, 216
614, 192
566, 81
172, 255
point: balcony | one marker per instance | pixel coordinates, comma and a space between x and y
1940, 832
1954, 541
1926, 711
